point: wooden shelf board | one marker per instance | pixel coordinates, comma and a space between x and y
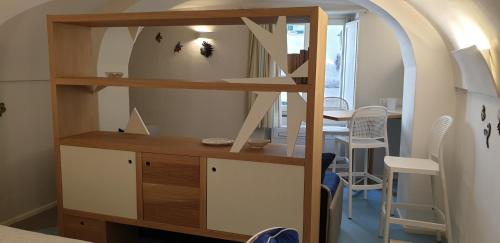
183, 18
272, 153
178, 84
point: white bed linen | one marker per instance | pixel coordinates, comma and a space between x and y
12, 235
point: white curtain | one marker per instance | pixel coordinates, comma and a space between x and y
260, 65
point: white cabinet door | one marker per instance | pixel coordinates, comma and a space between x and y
246, 197
99, 181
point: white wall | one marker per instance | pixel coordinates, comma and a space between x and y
473, 171
114, 56
27, 177
192, 113
27, 180
380, 66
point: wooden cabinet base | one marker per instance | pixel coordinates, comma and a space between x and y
126, 226
84, 229
98, 231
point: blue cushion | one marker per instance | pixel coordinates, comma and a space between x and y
278, 235
331, 181
326, 160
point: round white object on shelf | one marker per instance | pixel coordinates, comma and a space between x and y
217, 141
258, 142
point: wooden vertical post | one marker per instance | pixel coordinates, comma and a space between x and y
314, 122
74, 109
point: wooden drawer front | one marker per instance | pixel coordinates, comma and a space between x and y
84, 229
171, 204
171, 169
171, 189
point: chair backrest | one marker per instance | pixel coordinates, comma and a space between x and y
335, 103
438, 131
369, 122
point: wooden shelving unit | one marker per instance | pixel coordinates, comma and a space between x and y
272, 153
179, 84
78, 142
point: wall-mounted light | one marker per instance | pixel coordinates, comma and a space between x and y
476, 74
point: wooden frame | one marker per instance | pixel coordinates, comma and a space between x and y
75, 111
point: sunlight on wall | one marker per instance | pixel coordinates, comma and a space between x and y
202, 28
468, 33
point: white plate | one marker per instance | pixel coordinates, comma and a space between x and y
217, 141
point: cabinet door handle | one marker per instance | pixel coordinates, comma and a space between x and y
148, 163
130, 161
214, 169
82, 223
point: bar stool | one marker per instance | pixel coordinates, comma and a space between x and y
434, 167
368, 130
339, 129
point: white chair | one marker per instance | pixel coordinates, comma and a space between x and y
337, 129
368, 130
432, 166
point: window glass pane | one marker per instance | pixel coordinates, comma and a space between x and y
296, 40
333, 78
295, 37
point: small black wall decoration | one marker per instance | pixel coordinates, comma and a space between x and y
483, 113
206, 49
3, 109
498, 127
487, 134
178, 47
159, 37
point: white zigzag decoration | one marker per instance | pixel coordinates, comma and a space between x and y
275, 45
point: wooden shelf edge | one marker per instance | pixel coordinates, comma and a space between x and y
178, 84
186, 17
272, 153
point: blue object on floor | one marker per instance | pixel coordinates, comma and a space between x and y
331, 181
326, 160
278, 235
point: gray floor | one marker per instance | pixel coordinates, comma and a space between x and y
362, 228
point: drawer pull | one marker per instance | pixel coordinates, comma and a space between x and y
214, 169
130, 161
148, 163
82, 223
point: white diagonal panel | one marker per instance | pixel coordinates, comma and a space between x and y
262, 104
296, 114
274, 43
302, 71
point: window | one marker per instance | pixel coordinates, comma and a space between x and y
334, 60
297, 39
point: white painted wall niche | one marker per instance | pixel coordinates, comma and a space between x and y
190, 113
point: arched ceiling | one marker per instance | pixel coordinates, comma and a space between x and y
464, 23
11, 8
467, 23
337, 5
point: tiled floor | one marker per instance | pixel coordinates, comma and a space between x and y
363, 228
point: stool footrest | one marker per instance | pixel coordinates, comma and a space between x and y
418, 224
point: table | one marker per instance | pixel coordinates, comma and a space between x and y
342, 115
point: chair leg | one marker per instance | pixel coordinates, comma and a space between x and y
336, 151
449, 235
365, 174
350, 164
388, 206
383, 195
